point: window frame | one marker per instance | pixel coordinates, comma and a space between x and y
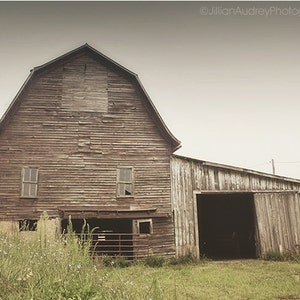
29, 182
28, 225
145, 221
121, 182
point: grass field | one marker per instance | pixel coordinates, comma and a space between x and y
211, 280
63, 269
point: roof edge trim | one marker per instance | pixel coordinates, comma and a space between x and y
239, 169
12, 104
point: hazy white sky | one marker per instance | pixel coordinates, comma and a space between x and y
224, 76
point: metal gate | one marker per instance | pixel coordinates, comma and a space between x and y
127, 245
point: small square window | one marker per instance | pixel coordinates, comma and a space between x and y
124, 182
29, 182
145, 226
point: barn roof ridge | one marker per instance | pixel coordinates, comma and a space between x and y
78, 49
175, 143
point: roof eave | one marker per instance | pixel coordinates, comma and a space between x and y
238, 169
175, 143
15, 100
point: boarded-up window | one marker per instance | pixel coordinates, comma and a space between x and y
124, 182
84, 87
29, 182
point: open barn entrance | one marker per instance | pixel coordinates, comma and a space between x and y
111, 237
226, 225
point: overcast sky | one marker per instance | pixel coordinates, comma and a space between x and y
223, 76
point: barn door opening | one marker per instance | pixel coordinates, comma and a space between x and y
226, 225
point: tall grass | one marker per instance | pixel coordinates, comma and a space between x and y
44, 268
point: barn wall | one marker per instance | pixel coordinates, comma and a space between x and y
9, 227
47, 229
189, 177
77, 123
185, 179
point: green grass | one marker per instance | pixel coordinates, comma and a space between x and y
63, 269
212, 280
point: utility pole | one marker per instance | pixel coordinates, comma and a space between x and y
273, 166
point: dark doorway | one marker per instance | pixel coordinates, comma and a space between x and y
226, 225
112, 225
111, 237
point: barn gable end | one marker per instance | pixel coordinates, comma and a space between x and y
77, 127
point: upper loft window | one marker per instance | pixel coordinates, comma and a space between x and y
29, 182
124, 182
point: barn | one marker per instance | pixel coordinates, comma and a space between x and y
83, 140
225, 212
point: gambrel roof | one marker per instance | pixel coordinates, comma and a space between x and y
175, 143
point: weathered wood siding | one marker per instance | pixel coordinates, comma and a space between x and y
77, 123
191, 177
278, 217
185, 177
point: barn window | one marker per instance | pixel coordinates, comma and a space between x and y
29, 182
27, 225
145, 226
124, 182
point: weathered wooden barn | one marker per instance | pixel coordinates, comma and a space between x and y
227, 212
82, 139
